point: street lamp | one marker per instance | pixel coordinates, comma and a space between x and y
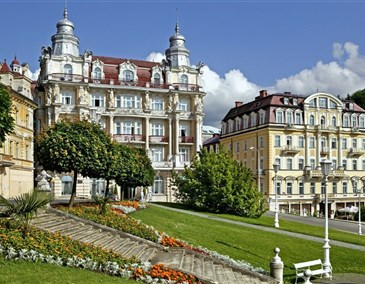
258, 168
326, 167
276, 169
354, 187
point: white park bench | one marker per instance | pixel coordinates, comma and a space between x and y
316, 270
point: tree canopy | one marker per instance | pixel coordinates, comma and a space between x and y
359, 98
6, 118
80, 147
217, 183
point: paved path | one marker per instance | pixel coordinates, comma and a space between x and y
342, 225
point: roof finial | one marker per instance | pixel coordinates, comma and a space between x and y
177, 23
65, 13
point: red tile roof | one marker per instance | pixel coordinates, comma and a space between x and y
5, 68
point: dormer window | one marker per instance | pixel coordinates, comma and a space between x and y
295, 101
97, 73
286, 101
157, 79
128, 76
351, 106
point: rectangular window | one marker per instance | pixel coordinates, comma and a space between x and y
157, 103
344, 143
344, 164
363, 144
301, 164
66, 99
278, 187
323, 102
118, 128
184, 105
131, 101
301, 187
313, 188
289, 187
311, 142
277, 141
277, 161
157, 154
237, 146
262, 118
363, 164
184, 155
323, 188
298, 118
354, 143
313, 163
97, 100
334, 187
301, 142
279, 117
118, 101
289, 164
334, 164
261, 142
354, 164
288, 140
344, 187
157, 129
333, 143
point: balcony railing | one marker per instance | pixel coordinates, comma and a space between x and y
186, 139
6, 160
129, 137
186, 87
158, 139
289, 149
65, 77
356, 152
325, 150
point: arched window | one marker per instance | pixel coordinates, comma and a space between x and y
128, 76
66, 184
346, 121
184, 79
323, 122
157, 79
97, 73
158, 187
67, 69
334, 122
311, 119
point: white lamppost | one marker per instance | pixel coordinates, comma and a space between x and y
276, 169
258, 168
326, 167
360, 232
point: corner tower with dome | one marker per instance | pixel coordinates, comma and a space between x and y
155, 106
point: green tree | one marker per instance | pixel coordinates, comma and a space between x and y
25, 206
217, 183
80, 147
138, 170
359, 98
356, 215
6, 119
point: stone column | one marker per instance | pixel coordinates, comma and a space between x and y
277, 267
111, 125
147, 131
339, 161
306, 141
198, 131
318, 150
177, 134
170, 137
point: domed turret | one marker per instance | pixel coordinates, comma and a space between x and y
15, 65
64, 41
177, 54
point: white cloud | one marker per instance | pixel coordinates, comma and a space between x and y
344, 75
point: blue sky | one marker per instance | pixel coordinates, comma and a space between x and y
297, 46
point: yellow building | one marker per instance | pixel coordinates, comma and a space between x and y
16, 154
298, 132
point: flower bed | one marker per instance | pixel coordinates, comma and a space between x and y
41, 246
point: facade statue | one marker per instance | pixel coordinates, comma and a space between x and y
42, 183
111, 97
147, 100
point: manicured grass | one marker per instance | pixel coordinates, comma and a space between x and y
251, 245
26, 272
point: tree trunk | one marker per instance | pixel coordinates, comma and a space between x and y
107, 188
73, 194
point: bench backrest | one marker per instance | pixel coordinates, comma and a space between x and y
308, 263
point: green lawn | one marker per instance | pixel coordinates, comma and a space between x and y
251, 245
26, 272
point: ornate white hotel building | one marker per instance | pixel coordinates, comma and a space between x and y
156, 106
298, 132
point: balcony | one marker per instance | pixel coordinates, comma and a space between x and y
356, 152
129, 137
338, 173
325, 150
186, 139
186, 87
6, 160
289, 149
65, 77
162, 164
158, 139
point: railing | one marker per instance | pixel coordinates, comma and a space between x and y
6, 160
129, 137
325, 150
186, 139
289, 149
158, 139
65, 77
356, 151
186, 87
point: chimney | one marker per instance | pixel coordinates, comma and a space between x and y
238, 104
263, 93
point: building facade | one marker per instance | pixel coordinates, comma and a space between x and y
16, 154
155, 106
298, 132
